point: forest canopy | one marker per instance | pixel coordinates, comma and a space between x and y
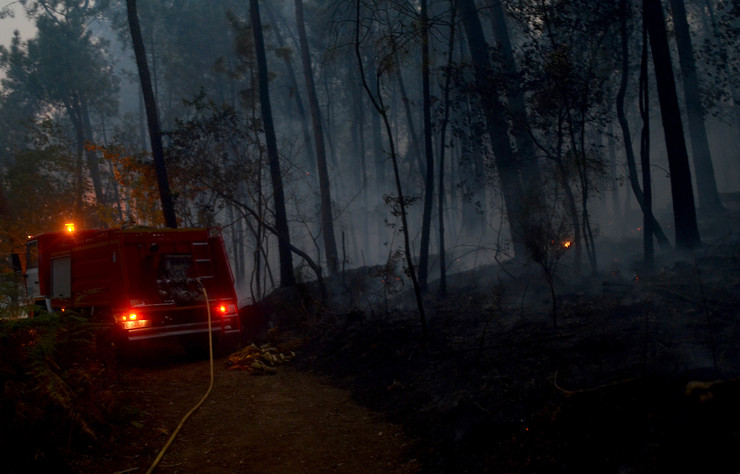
430, 134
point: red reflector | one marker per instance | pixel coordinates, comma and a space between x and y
225, 308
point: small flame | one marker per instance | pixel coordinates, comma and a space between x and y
70, 226
567, 244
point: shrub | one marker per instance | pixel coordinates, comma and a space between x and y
55, 390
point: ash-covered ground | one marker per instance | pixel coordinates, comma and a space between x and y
640, 374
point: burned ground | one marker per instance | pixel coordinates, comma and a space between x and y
640, 374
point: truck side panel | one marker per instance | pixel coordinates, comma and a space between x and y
96, 274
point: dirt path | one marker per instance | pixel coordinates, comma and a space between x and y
288, 422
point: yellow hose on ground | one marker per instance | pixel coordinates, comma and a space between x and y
197, 405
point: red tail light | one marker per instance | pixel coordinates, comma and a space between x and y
132, 320
224, 309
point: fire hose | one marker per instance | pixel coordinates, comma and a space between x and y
208, 392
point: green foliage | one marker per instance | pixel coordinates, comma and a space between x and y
137, 192
56, 392
63, 66
11, 293
41, 185
191, 47
213, 159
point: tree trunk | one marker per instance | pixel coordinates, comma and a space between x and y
647, 220
310, 159
684, 212
496, 125
360, 176
379, 168
613, 182
442, 291
327, 219
570, 200
706, 185
414, 149
91, 156
383, 112
472, 176
515, 98
329, 94
627, 136
152, 117
73, 110
426, 222
287, 276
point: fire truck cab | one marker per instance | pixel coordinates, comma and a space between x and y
147, 283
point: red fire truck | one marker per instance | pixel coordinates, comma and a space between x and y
148, 283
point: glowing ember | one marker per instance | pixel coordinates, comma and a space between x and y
567, 244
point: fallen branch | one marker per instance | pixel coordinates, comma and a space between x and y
590, 389
258, 360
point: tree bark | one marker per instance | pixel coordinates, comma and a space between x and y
287, 276
426, 221
613, 184
442, 289
377, 100
152, 117
91, 156
684, 212
496, 125
379, 166
414, 149
624, 124
647, 218
706, 185
310, 159
327, 219
531, 179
